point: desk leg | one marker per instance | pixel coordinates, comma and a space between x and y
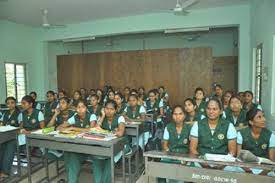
46, 165
137, 154
29, 161
112, 169
123, 166
18, 157
148, 179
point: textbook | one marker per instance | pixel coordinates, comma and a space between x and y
7, 128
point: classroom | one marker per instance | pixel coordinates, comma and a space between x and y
147, 91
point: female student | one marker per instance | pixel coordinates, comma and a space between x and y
83, 93
141, 93
154, 106
115, 123
235, 113
62, 114
121, 105
61, 94
218, 92
134, 111
163, 93
95, 107
30, 119
126, 93
50, 106
99, 93
82, 121
76, 98
36, 105
200, 101
225, 100
7, 149
190, 109
213, 134
248, 101
257, 139
176, 136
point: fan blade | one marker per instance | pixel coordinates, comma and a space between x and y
188, 3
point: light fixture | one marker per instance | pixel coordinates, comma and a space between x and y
194, 29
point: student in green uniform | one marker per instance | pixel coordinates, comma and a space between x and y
111, 95
134, 112
50, 106
30, 119
36, 105
154, 106
248, 101
126, 93
213, 134
115, 123
163, 93
82, 121
141, 93
76, 98
241, 96
200, 101
257, 139
7, 149
191, 114
83, 93
225, 100
176, 137
94, 107
218, 92
61, 94
99, 93
121, 105
235, 113
61, 114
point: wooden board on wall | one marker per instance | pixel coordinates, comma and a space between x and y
179, 70
225, 72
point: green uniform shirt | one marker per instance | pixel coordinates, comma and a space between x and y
121, 110
49, 110
32, 122
133, 114
113, 125
258, 147
216, 143
63, 116
10, 119
178, 143
241, 120
201, 109
97, 112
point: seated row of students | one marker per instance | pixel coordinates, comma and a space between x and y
214, 134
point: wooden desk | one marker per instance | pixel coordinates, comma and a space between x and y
77, 145
155, 169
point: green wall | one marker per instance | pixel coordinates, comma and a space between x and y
21, 44
263, 31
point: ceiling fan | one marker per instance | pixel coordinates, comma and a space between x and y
45, 22
181, 8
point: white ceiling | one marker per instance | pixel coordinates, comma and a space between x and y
74, 11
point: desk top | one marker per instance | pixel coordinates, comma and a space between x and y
187, 157
76, 140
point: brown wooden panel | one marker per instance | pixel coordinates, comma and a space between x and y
179, 70
225, 72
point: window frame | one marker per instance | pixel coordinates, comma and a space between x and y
258, 73
15, 78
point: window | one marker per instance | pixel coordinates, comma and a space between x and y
259, 73
15, 80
